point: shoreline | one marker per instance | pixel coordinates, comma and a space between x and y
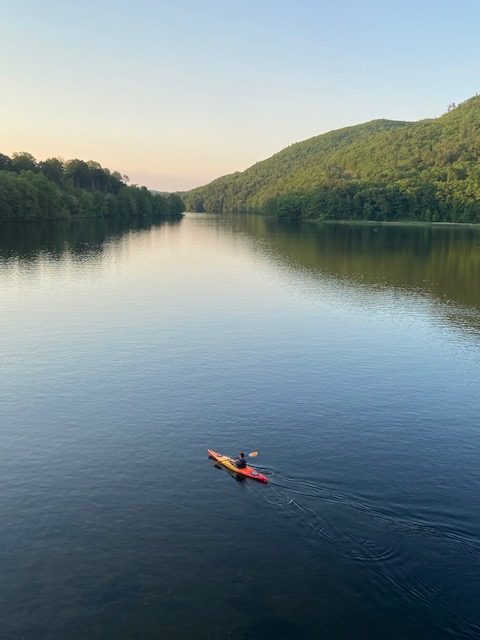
397, 223
173, 216
366, 223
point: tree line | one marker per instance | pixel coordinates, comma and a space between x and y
55, 189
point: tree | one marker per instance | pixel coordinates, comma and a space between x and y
5, 162
78, 172
53, 169
23, 161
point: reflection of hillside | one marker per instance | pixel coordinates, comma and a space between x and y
443, 263
80, 239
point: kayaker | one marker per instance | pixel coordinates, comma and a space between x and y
240, 462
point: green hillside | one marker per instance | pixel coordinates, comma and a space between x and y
381, 170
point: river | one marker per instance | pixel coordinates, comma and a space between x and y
347, 355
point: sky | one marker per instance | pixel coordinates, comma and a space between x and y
175, 94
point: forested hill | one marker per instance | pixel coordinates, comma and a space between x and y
382, 170
54, 189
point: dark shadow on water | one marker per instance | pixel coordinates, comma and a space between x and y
81, 239
438, 262
232, 474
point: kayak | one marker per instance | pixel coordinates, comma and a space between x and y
229, 464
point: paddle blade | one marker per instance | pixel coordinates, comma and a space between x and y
254, 454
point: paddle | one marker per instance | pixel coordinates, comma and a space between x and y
254, 454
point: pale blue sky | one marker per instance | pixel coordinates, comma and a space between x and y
177, 93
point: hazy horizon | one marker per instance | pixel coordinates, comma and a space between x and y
177, 95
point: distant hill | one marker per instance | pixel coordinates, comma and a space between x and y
381, 170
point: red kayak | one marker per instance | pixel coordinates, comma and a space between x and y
229, 464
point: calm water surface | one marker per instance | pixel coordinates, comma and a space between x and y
349, 356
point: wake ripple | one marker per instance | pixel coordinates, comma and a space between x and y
387, 566
293, 487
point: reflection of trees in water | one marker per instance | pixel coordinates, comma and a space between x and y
82, 239
442, 262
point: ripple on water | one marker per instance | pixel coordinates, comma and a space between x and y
383, 545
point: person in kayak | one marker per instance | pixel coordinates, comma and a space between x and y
240, 462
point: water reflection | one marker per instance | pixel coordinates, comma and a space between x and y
83, 239
443, 262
